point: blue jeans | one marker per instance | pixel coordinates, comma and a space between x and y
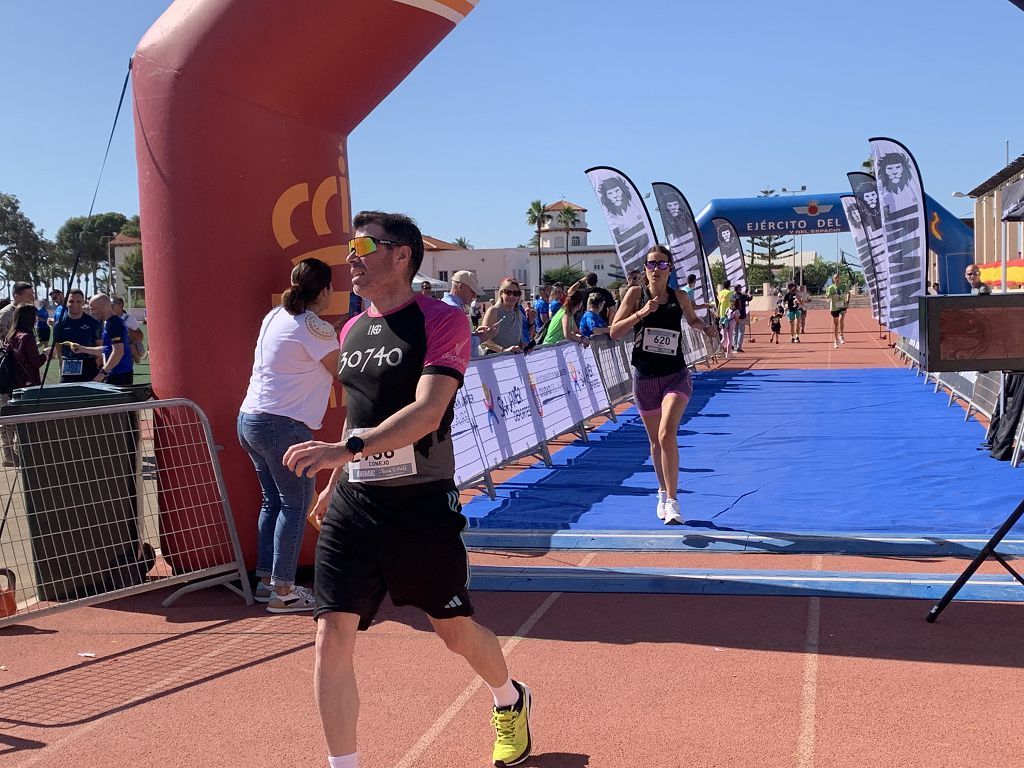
740, 331
286, 497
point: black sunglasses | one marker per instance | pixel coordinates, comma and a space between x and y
653, 265
512, 293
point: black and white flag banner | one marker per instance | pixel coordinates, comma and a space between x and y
628, 221
865, 191
731, 250
860, 239
901, 198
684, 241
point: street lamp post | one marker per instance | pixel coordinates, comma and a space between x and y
803, 188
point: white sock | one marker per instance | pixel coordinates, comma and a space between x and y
505, 696
344, 761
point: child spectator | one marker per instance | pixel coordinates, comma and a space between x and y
592, 321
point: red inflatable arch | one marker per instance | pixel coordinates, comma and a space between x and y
242, 109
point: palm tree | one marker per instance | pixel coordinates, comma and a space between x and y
537, 217
463, 243
567, 218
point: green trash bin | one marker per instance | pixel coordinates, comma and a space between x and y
79, 485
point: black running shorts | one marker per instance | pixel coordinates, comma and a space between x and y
405, 541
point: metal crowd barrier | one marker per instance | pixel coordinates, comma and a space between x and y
111, 501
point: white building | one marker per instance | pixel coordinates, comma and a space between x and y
491, 265
120, 247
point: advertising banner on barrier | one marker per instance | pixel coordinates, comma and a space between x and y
865, 191
566, 387
628, 221
860, 240
731, 249
506, 420
684, 241
901, 198
615, 367
466, 433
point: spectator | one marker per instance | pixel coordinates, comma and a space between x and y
972, 273
633, 278
426, 289
838, 295
476, 311
725, 296
791, 302
542, 305
22, 342
563, 322
593, 323
294, 364
57, 297
690, 289
740, 298
23, 293
355, 304
465, 287
43, 322
776, 324
77, 327
558, 295
506, 318
589, 285
116, 357
136, 338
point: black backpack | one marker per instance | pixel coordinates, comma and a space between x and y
7, 369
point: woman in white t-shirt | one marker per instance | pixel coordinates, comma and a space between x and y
295, 361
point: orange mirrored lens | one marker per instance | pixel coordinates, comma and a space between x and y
362, 246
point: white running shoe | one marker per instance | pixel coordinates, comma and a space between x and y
661, 504
298, 600
835, 345
672, 516
841, 339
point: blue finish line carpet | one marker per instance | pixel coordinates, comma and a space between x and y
772, 453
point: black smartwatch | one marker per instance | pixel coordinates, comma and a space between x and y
355, 445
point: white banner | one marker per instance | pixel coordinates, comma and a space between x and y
860, 239
865, 191
614, 365
684, 241
625, 213
901, 195
509, 404
731, 249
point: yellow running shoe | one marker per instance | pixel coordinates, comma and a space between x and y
512, 726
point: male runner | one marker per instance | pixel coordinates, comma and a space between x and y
391, 518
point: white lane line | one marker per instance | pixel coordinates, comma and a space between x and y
428, 738
809, 697
180, 675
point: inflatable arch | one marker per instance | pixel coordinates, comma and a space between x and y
242, 109
950, 241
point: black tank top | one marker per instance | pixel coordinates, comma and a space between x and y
656, 353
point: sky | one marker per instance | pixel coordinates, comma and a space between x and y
721, 98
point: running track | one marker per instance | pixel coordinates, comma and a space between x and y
620, 680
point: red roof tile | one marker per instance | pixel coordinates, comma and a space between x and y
564, 204
433, 244
123, 239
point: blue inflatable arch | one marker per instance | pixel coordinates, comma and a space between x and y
949, 240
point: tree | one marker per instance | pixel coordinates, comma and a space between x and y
567, 218
73, 238
563, 275
131, 268
717, 273
537, 217
463, 243
132, 227
25, 253
767, 253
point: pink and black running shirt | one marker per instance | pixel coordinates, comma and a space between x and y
382, 359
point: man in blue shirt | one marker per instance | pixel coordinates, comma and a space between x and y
117, 367
465, 288
76, 327
542, 305
43, 323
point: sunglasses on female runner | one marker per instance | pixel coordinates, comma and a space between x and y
653, 265
365, 245
513, 293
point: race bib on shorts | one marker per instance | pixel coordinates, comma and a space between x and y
661, 341
389, 465
69, 367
